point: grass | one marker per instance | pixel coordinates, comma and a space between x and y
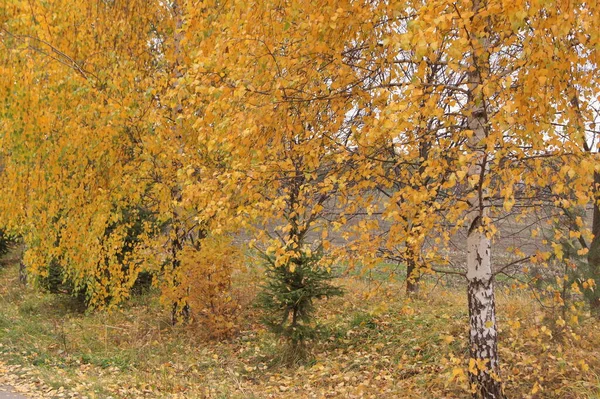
373, 342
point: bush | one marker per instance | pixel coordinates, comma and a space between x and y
59, 278
198, 284
7, 242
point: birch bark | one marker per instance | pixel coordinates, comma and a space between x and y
483, 337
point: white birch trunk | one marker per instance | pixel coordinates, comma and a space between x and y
483, 336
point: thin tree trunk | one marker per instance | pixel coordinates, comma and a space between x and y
181, 309
22, 272
593, 257
594, 250
483, 336
412, 272
412, 280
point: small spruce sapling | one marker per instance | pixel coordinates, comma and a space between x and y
287, 299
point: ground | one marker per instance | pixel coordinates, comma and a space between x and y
7, 392
374, 343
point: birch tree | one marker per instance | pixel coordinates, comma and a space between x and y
505, 117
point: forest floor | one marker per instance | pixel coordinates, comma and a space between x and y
374, 343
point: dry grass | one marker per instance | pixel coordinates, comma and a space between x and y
374, 343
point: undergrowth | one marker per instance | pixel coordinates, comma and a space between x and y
373, 342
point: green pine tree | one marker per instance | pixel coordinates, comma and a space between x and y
287, 299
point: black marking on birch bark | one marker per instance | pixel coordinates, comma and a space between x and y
474, 224
483, 338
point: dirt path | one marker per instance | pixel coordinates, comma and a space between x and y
7, 393
18, 382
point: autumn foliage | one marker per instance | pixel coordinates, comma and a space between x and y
172, 139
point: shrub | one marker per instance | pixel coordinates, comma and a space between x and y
123, 234
200, 284
7, 241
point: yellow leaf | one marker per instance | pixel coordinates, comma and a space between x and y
558, 250
582, 251
473, 366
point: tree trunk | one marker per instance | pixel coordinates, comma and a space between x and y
22, 272
412, 280
412, 272
594, 253
483, 337
180, 313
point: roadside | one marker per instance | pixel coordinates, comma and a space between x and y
19, 382
7, 384
7, 393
